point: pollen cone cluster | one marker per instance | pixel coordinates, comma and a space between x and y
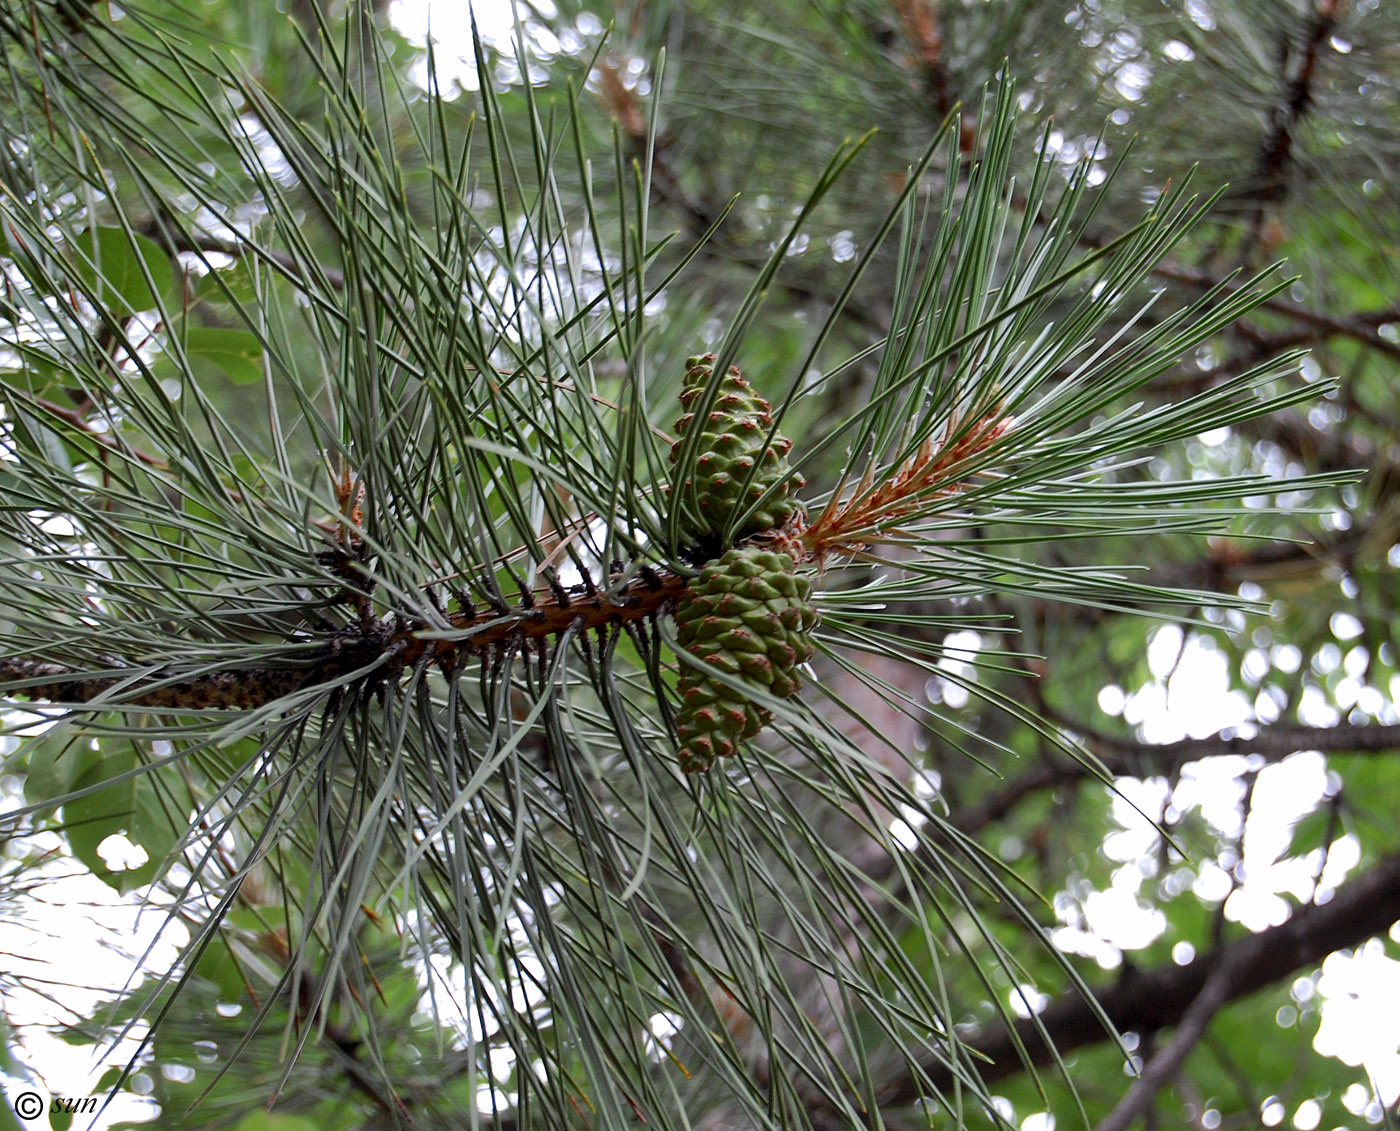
747, 615
738, 464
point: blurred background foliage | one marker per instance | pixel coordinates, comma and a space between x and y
1231, 900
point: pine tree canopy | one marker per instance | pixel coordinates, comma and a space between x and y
700, 565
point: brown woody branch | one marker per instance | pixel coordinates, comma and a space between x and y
1189, 1030
1228, 565
1273, 743
1276, 152
1270, 183
625, 108
700, 214
380, 648
1362, 328
1148, 1001
81, 423
1129, 758
925, 33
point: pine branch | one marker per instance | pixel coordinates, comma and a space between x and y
177, 240
75, 419
1272, 743
624, 106
345, 1050
383, 648
1329, 450
924, 31
1227, 565
435, 302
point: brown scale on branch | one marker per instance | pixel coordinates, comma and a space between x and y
379, 645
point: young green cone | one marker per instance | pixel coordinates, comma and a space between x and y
749, 616
737, 463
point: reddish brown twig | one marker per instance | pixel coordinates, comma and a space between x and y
82, 424
924, 31
621, 100
875, 510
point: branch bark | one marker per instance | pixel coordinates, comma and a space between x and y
380, 649
1358, 328
1123, 757
1149, 1001
1165, 1064
1276, 151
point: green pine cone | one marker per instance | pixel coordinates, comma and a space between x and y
737, 463
748, 615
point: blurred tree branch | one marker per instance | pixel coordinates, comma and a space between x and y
1121, 757
1146, 1001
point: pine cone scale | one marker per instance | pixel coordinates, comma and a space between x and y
748, 615
738, 462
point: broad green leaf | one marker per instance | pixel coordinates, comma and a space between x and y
275, 1121
124, 271
147, 813
238, 354
57, 762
